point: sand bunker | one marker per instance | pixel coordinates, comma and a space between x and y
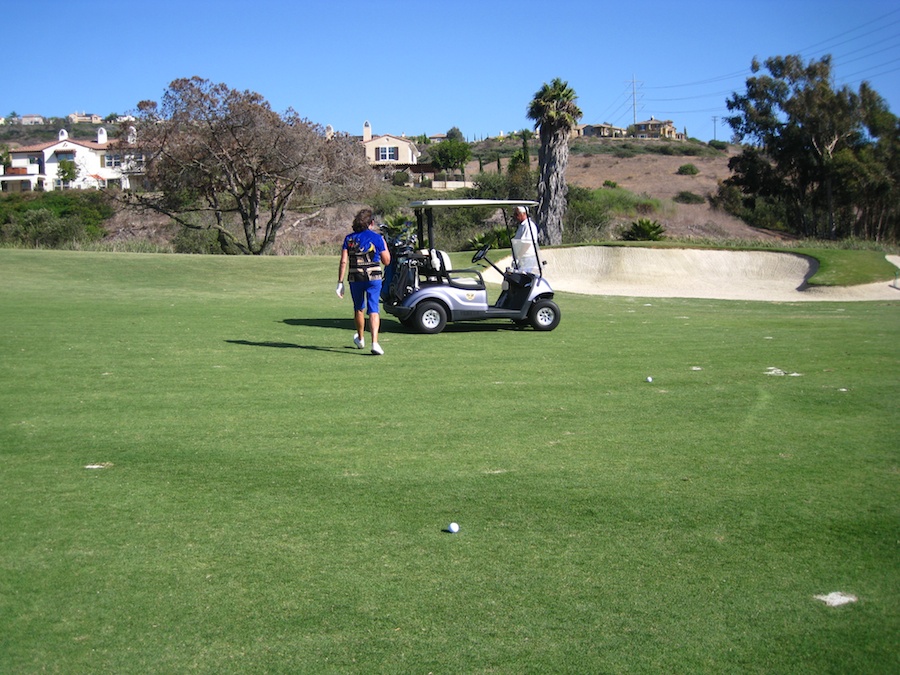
693, 273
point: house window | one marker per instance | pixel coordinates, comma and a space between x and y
113, 161
134, 163
65, 156
388, 154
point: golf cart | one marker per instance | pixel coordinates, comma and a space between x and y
424, 292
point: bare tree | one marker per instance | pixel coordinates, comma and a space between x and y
221, 159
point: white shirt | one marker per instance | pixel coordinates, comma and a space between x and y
524, 246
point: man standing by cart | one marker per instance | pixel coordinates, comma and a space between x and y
524, 242
364, 251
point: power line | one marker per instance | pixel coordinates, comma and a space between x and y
690, 98
631, 96
853, 30
710, 80
886, 72
868, 46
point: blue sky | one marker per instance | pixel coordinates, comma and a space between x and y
424, 67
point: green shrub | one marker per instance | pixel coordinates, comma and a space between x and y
686, 197
191, 240
496, 238
491, 186
52, 220
80, 215
718, 145
755, 211
620, 201
400, 178
610, 184
644, 229
41, 228
687, 170
587, 216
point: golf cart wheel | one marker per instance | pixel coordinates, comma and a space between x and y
544, 315
431, 317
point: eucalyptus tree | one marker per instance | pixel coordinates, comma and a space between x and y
811, 150
221, 159
555, 115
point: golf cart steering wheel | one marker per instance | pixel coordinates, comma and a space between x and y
481, 253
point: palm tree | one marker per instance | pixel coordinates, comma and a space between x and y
555, 114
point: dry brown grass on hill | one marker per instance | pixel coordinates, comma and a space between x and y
657, 176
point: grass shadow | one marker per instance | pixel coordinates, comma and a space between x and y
341, 324
394, 326
290, 345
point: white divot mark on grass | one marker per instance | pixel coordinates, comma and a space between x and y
103, 465
778, 372
836, 598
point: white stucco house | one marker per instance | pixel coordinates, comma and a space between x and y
98, 164
388, 150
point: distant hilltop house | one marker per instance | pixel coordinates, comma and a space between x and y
84, 118
98, 164
31, 120
388, 150
654, 128
600, 130
391, 154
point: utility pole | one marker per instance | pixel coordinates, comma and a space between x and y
633, 100
715, 124
634, 84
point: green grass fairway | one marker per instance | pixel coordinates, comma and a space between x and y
273, 500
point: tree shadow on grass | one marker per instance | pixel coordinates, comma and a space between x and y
318, 322
290, 345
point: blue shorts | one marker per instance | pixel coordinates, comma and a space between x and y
365, 295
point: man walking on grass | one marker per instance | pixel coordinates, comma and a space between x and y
363, 250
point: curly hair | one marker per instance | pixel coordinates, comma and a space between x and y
362, 220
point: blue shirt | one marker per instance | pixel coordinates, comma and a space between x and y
367, 243
364, 249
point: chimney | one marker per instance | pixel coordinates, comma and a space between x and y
367, 132
101, 135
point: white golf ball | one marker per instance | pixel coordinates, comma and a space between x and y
453, 527
649, 379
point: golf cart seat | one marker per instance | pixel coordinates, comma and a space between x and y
466, 278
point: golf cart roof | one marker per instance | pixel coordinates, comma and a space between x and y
430, 203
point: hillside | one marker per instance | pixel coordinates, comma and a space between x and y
592, 162
651, 174
656, 175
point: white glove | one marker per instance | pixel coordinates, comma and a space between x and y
340, 289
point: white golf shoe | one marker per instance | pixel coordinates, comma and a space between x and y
359, 342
